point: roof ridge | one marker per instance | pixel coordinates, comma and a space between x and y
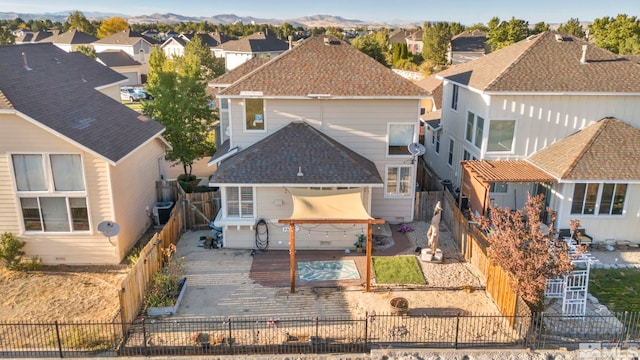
5, 100
535, 40
604, 123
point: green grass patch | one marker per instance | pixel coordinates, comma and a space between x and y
619, 289
137, 106
397, 270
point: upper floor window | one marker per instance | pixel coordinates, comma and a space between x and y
436, 140
592, 199
239, 202
501, 135
399, 138
51, 191
398, 181
454, 98
254, 114
451, 147
475, 127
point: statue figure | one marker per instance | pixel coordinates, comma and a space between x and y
434, 229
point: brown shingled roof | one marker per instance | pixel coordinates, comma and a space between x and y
606, 150
73, 37
238, 72
125, 37
548, 62
433, 85
330, 67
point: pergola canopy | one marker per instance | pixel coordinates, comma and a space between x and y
344, 204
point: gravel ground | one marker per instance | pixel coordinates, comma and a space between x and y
628, 257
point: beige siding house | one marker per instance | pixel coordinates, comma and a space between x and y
72, 158
515, 103
339, 124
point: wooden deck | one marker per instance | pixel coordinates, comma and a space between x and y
271, 268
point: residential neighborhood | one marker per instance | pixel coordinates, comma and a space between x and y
235, 188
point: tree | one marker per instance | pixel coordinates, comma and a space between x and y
88, 50
620, 35
111, 26
6, 37
539, 27
521, 249
371, 46
572, 27
199, 54
436, 38
181, 104
505, 33
77, 21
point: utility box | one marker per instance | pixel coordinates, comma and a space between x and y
162, 212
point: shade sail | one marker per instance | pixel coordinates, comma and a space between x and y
328, 204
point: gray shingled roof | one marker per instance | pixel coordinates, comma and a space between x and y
332, 67
469, 41
59, 92
255, 43
73, 37
606, 150
544, 64
116, 58
276, 158
125, 37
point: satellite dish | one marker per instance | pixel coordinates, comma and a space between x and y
416, 149
109, 229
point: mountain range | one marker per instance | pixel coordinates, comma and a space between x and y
169, 18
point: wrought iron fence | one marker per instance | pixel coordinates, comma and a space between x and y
243, 335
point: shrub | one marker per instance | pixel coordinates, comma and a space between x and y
166, 284
186, 177
186, 186
11, 251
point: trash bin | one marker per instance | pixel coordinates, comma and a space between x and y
162, 212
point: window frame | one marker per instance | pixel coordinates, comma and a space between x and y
452, 147
244, 115
598, 203
413, 139
455, 94
493, 186
52, 193
240, 202
437, 139
513, 136
397, 194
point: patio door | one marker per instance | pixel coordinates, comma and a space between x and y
544, 189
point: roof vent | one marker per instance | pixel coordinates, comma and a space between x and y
327, 41
300, 173
559, 38
583, 59
25, 65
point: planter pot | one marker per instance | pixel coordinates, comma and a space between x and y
399, 305
359, 249
169, 310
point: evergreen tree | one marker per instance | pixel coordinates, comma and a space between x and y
436, 38
503, 33
620, 35
77, 21
572, 27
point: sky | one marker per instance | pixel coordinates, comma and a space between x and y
467, 12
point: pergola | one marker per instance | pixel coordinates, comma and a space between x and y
478, 174
327, 207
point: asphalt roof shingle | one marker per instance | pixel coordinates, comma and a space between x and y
326, 65
255, 43
125, 37
58, 91
548, 62
73, 37
606, 150
277, 159
116, 58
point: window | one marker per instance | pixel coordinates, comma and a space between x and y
609, 198
254, 114
454, 98
475, 126
478, 134
451, 147
400, 136
437, 140
52, 192
501, 135
240, 202
498, 187
398, 181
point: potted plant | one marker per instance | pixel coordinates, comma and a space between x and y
167, 286
360, 241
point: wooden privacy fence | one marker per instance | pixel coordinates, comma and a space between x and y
200, 207
150, 261
425, 203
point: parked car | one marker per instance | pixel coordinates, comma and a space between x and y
129, 94
141, 90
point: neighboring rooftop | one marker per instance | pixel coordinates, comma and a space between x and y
328, 66
237, 73
116, 58
606, 150
469, 41
58, 90
209, 39
125, 37
279, 157
433, 85
548, 62
73, 37
255, 43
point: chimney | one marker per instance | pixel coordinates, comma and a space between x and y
290, 38
25, 65
583, 59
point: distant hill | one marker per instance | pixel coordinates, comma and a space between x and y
60, 16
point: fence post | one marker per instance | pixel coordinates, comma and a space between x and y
229, 341
366, 328
144, 336
316, 342
455, 345
59, 340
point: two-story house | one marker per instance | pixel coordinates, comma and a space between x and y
516, 102
72, 157
132, 43
260, 44
322, 118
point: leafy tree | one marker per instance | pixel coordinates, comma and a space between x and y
478, 26
88, 50
620, 35
505, 33
199, 54
456, 28
77, 21
520, 248
436, 38
539, 27
111, 26
370, 45
181, 104
572, 27
6, 37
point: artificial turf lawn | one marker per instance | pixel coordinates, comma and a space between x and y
397, 270
618, 289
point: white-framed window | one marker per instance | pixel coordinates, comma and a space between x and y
51, 191
454, 97
452, 145
399, 136
239, 201
466, 155
436, 140
254, 119
474, 130
598, 199
498, 187
501, 135
398, 181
